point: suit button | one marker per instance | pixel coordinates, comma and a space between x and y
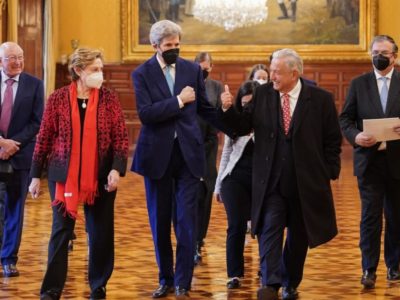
267, 158
262, 181
271, 135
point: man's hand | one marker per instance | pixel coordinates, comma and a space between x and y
226, 98
365, 140
113, 180
396, 129
187, 95
34, 187
218, 197
9, 146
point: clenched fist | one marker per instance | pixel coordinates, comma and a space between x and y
187, 95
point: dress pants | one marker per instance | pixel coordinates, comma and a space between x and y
174, 196
236, 196
277, 268
204, 201
16, 192
100, 228
2, 205
379, 192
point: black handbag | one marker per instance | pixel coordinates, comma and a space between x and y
6, 170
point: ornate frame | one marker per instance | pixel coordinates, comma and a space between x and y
133, 51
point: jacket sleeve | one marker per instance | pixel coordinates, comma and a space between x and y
332, 138
226, 153
45, 138
119, 136
150, 110
348, 117
31, 129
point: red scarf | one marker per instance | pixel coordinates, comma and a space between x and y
73, 192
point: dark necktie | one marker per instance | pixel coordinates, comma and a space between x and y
6, 107
286, 113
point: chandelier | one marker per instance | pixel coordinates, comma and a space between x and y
231, 14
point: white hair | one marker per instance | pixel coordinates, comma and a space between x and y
163, 29
292, 59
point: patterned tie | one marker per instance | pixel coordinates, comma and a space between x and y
286, 113
6, 107
384, 93
169, 78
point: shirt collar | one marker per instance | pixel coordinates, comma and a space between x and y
388, 75
295, 92
4, 77
162, 64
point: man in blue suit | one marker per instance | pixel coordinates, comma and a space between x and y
169, 153
22, 102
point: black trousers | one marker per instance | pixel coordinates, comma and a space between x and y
380, 193
100, 227
282, 268
204, 200
236, 196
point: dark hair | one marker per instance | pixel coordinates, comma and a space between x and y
255, 68
247, 88
203, 56
382, 38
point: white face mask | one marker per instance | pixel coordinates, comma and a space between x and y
94, 80
262, 81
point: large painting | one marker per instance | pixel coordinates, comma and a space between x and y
317, 29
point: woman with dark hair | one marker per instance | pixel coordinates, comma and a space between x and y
233, 189
84, 142
259, 73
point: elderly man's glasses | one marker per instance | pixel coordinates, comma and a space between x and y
14, 58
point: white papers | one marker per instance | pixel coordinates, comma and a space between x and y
381, 129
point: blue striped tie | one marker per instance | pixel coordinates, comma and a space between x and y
169, 78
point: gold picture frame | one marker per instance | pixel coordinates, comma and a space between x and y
135, 22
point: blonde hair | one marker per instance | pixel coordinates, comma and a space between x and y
81, 58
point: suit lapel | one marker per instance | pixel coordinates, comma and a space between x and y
158, 76
301, 108
19, 95
373, 93
394, 93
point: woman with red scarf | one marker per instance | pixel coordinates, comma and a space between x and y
83, 141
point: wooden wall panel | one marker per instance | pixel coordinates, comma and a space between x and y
334, 77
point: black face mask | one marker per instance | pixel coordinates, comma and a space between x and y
205, 74
170, 56
380, 62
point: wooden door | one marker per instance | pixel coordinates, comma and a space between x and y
30, 35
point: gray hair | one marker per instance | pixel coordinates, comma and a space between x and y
382, 38
7, 45
163, 29
292, 59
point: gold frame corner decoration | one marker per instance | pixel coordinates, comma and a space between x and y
133, 51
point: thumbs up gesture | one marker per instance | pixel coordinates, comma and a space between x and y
226, 98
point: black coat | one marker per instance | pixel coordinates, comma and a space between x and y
316, 141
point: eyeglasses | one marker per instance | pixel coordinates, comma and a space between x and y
14, 58
384, 53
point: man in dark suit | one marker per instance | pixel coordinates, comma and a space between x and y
22, 102
169, 153
205, 193
376, 95
296, 154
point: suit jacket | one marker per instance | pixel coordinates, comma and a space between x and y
54, 143
316, 141
25, 119
363, 102
162, 117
